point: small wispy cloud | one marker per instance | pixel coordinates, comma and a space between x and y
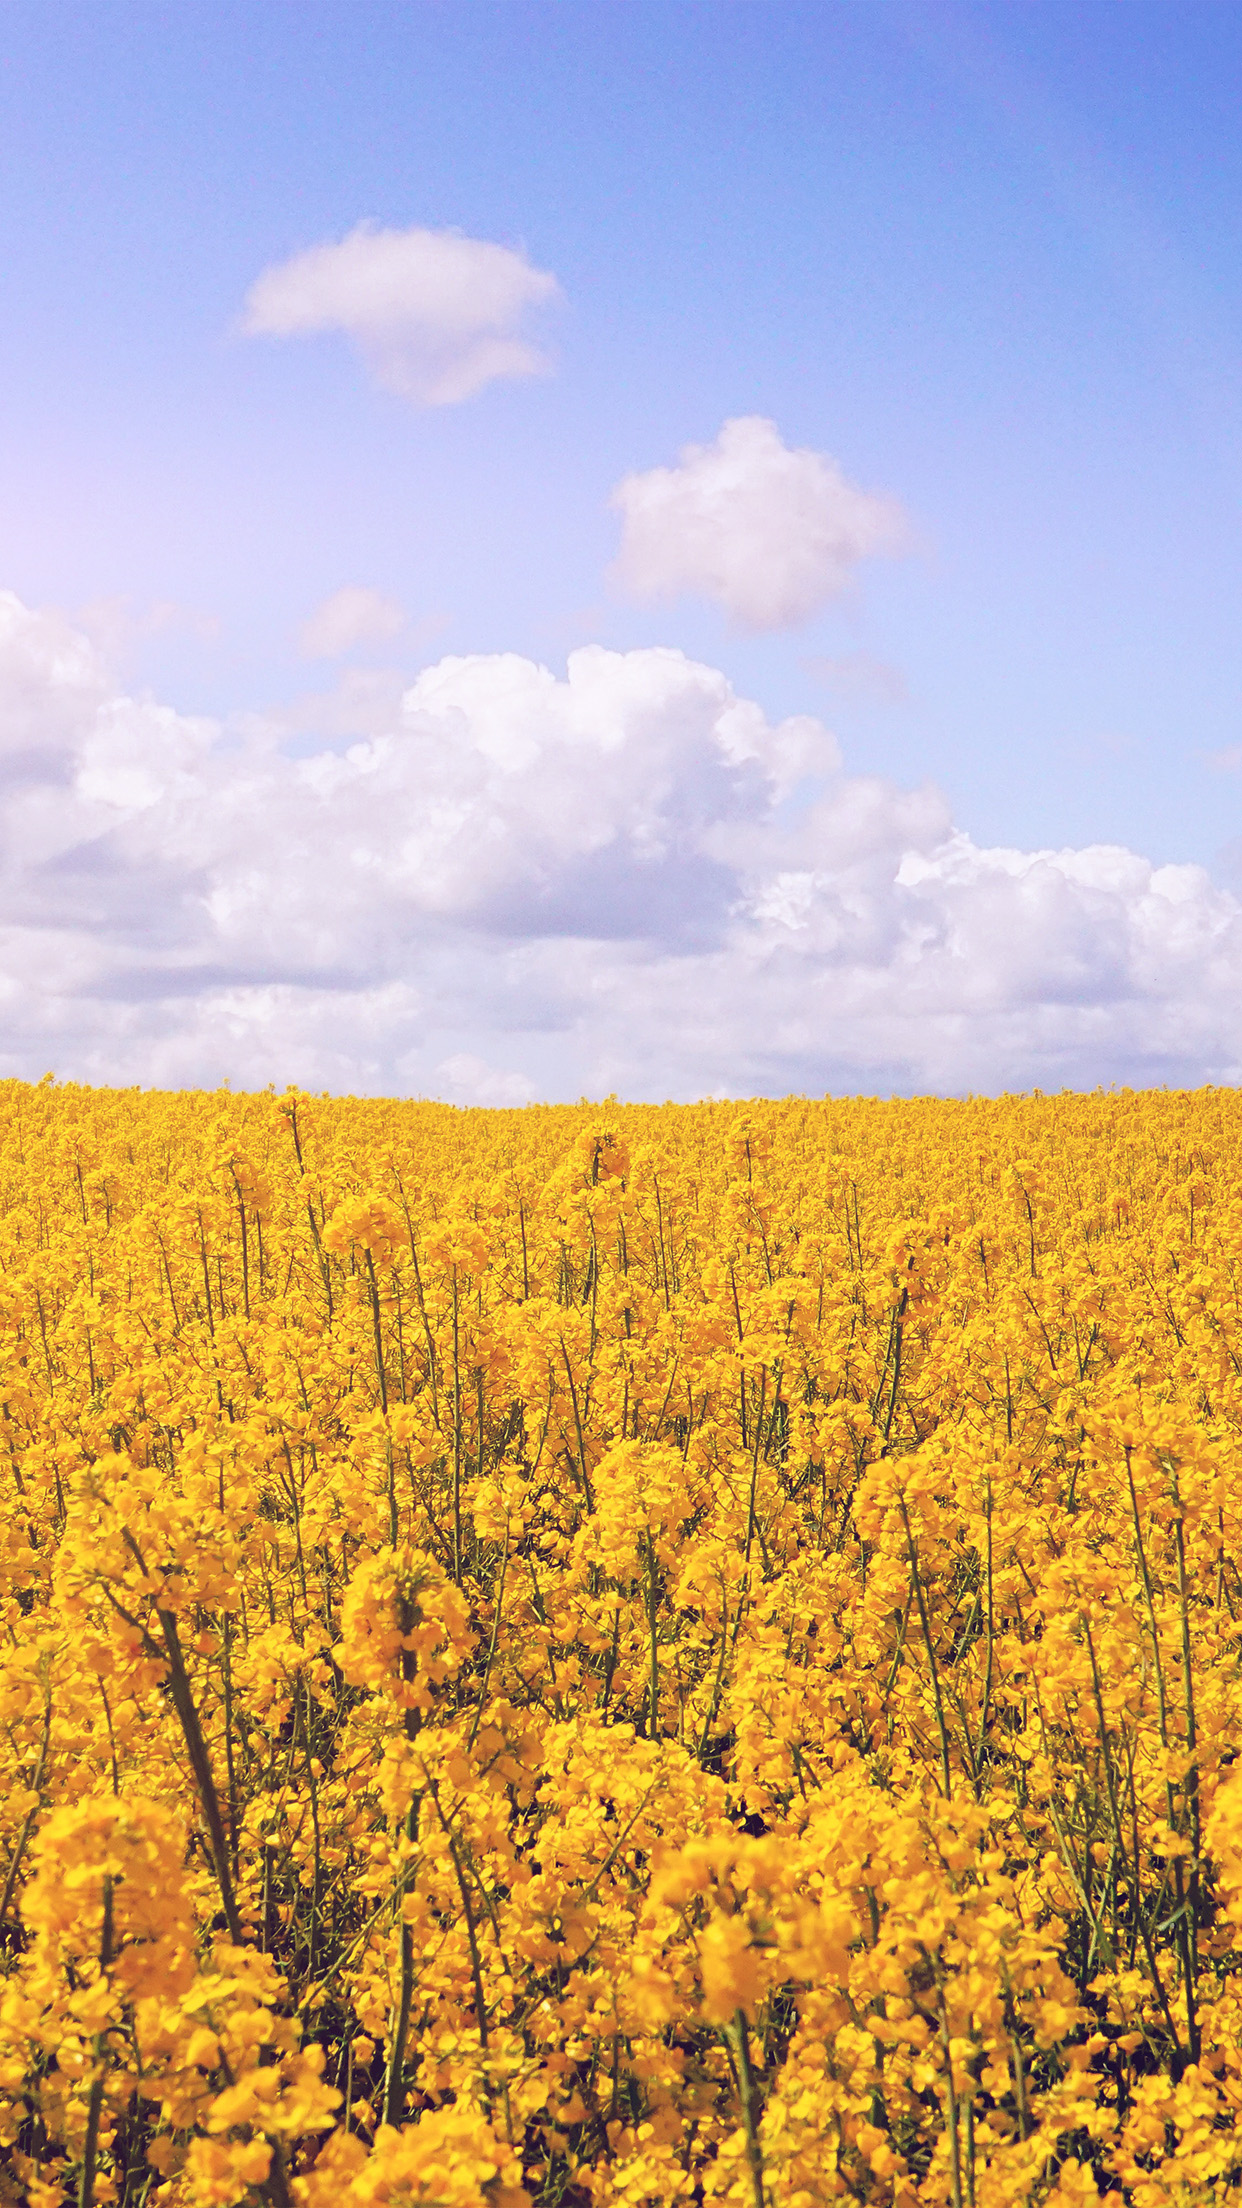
858, 678
352, 615
119, 624
435, 315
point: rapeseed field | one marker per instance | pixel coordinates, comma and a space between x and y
620, 1655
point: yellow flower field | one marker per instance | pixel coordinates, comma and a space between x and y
623, 1655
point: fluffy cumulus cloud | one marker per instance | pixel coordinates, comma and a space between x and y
352, 615
435, 315
769, 532
513, 884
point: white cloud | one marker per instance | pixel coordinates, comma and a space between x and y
352, 615
435, 315
466, 1079
858, 678
512, 884
771, 533
118, 624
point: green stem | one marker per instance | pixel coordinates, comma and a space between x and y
750, 2106
955, 2148
925, 1622
94, 2106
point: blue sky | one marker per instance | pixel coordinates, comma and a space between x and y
987, 258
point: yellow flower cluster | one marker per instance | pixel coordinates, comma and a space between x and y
615, 1655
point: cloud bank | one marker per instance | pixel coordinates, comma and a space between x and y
517, 884
436, 316
771, 534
